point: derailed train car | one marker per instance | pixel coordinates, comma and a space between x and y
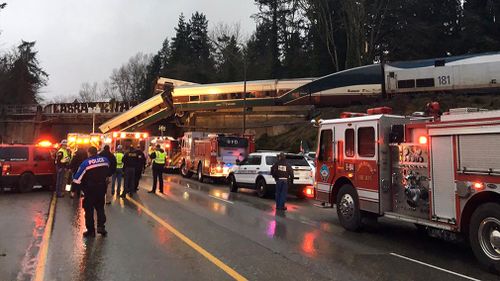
473, 74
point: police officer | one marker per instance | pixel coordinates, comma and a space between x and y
92, 175
63, 159
112, 169
117, 176
282, 172
142, 166
131, 163
159, 156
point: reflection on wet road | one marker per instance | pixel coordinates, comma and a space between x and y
242, 232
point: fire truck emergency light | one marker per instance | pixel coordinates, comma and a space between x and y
45, 143
422, 140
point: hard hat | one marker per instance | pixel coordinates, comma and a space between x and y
119, 147
64, 142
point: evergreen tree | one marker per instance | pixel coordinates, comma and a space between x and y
24, 76
481, 26
180, 51
230, 59
201, 65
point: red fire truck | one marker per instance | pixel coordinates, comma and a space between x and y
442, 175
212, 155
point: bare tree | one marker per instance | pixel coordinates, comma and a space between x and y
127, 79
88, 93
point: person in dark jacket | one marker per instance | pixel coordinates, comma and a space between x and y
158, 157
92, 175
76, 161
142, 167
282, 172
131, 163
112, 169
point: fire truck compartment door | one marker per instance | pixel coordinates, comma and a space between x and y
443, 179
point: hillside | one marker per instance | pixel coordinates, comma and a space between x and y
403, 104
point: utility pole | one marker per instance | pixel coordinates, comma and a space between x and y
244, 93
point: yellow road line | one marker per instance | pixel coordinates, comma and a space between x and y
231, 272
44, 248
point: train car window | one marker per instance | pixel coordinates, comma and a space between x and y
236, 95
349, 142
194, 98
406, 84
326, 146
426, 82
366, 142
438, 63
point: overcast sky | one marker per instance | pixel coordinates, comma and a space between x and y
81, 41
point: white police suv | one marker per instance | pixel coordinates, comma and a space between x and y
255, 172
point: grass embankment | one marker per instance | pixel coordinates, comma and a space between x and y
403, 104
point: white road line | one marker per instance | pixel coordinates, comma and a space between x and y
435, 267
224, 200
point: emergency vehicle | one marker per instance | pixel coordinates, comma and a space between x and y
171, 147
24, 166
126, 139
442, 175
212, 155
77, 140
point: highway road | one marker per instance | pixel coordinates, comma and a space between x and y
200, 231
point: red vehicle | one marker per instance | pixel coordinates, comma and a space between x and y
25, 166
212, 155
443, 174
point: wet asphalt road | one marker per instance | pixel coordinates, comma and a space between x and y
241, 230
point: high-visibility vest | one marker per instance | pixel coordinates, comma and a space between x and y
66, 156
160, 157
119, 160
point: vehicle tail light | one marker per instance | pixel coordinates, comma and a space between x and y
478, 186
6, 168
309, 191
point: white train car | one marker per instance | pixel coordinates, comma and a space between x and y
479, 73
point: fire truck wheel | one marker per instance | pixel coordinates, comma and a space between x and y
26, 182
262, 189
184, 171
233, 187
484, 235
199, 174
348, 208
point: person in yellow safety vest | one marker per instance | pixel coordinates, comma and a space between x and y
159, 156
63, 159
118, 175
